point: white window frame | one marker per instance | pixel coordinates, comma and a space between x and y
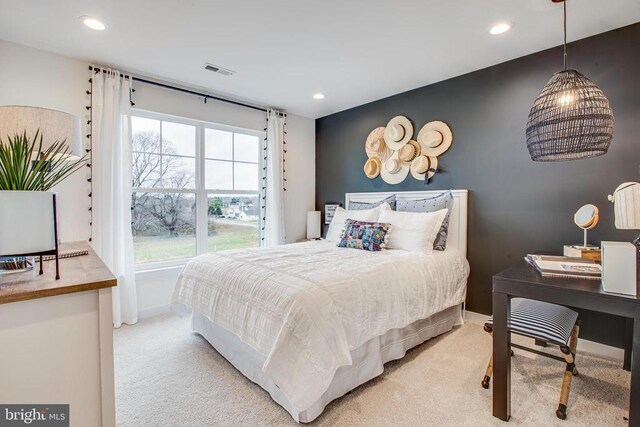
201, 193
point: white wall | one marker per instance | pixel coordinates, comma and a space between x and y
34, 77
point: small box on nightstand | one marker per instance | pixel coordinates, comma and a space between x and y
579, 251
619, 263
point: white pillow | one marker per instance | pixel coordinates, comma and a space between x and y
413, 231
341, 215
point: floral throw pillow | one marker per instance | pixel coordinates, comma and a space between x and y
368, 236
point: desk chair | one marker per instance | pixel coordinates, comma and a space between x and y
546, 323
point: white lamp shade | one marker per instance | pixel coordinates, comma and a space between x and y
626, 201
54, 126
313, 225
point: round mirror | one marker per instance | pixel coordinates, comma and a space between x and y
586, 217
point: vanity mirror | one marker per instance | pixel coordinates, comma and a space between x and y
586, 218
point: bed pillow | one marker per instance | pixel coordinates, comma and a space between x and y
432, 204
358, 206
368, 236
341, 215
413, 231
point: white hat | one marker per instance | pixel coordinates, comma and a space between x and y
394, 170
398, 132
372, 167
423, 166
375, 145
435, 138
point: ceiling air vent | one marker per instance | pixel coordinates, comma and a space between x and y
219, 70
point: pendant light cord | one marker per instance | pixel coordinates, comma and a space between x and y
564, 4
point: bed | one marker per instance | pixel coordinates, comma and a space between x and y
309, 321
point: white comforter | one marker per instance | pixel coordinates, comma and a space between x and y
305, 306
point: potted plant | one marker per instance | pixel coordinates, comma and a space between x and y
27, 206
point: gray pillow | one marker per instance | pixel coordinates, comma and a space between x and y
358, 206
432, 204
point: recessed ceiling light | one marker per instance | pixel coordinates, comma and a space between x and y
318, 96
500, 28
93, 23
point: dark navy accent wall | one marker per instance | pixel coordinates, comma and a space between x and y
515, 205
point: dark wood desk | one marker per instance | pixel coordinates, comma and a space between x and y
524, 281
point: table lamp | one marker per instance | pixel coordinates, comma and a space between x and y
53, 125
620, 259
626, 201
27, 207
313, 225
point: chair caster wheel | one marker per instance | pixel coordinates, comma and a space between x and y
512, 353
561, 412
575, 372
485, 382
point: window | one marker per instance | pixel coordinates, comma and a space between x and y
195, 188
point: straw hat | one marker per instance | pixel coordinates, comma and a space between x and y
409, 151
398, 132
435, 138
372, 167
375, 145
394, 170
423, 166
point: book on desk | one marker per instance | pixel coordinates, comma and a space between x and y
564, 266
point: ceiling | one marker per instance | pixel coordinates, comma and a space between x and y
285, 51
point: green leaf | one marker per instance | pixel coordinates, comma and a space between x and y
25, 166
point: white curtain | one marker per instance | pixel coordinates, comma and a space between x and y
274, 202
111, 186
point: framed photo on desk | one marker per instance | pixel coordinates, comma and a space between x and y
329, 211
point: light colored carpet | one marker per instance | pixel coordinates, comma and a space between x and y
169, 376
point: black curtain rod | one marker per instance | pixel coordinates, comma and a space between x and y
190, 92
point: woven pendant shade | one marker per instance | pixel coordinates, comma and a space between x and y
571, 119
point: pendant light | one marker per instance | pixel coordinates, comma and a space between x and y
571, 118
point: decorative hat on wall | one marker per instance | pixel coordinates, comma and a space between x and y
394, 170
423, 167
398, 132
392, 154
375, 145
372, 167
435, 138
409, 151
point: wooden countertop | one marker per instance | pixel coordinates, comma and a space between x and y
77, 274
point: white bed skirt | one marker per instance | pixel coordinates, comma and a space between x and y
368, 359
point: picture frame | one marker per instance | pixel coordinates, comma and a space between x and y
329, 211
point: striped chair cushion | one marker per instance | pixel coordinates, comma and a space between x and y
540, 320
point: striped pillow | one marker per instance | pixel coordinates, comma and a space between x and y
542, 320
358, 206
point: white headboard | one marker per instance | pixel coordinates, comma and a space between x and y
457, 237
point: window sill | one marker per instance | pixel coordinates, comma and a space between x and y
160, 266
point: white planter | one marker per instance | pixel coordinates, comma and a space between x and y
27, 222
